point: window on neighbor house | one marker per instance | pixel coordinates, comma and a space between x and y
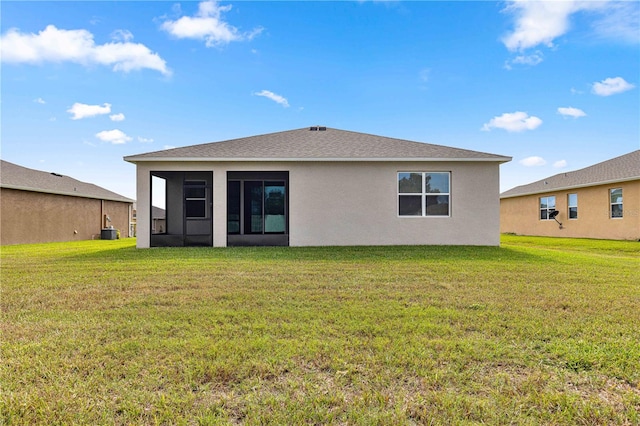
547, 205
615, 196
572, 203
424, 194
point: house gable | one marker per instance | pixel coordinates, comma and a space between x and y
315, 145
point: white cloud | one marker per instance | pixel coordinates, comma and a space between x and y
571, 112
79, 110
529, 60
620, 20
117, 117
541, 22
274, 97
114, 136
168, 147
39, 101
77, 46
611, 86
425, 74
207, 24
538, 22
560, 164
533, 161
513, 122
144, 140
122, 35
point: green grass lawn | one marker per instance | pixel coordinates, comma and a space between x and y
537, 331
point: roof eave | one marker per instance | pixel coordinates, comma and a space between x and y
135, 159
564, 188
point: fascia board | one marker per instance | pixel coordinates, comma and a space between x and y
134, 159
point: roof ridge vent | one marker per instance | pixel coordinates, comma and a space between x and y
56, 174
317, 128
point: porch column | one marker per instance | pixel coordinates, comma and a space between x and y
220, 207
143, 206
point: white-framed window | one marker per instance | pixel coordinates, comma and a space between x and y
615, 199
424, 194
547, 205
572, 204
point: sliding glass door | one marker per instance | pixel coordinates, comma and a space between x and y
274, 207
253, 207
256, 207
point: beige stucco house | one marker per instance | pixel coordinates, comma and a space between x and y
39, 207
319, 186
600, 201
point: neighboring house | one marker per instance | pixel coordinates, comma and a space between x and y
600, 201
158, 220
37, 207
132, 227
317, 187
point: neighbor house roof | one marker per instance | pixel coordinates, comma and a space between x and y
158, 212
619, 169
316, 144
13, 176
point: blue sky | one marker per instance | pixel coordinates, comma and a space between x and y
552, 84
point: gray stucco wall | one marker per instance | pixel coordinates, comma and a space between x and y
355, 203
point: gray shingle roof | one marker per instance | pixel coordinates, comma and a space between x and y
619, 169
158, 212
309, 145
13, 176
